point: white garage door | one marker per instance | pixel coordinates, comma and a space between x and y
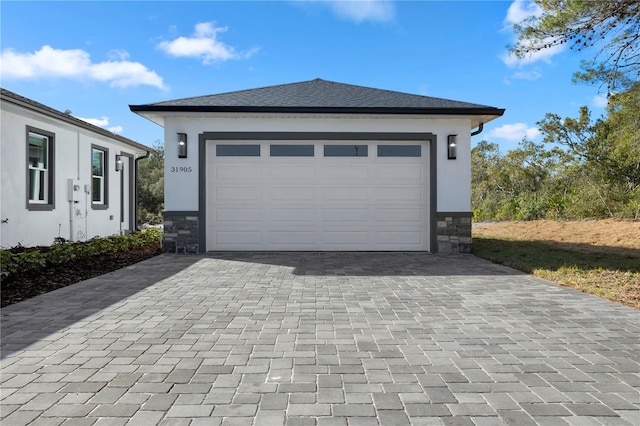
317, 196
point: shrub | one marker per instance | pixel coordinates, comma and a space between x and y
22, 260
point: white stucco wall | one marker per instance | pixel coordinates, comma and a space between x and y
181, 185
72, 161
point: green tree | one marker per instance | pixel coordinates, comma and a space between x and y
524, 184
612, 27
151, 184
606, 151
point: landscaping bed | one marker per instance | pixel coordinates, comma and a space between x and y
30, 271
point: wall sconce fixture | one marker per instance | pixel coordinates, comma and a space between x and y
182, 145
119, 163
452, 141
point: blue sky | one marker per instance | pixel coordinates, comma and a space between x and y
96, 58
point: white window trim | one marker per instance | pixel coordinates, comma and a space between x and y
49, 202
103, 204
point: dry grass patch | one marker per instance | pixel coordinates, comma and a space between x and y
597, 257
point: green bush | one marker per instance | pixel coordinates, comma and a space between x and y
8, 263
60, 253
30, 261
21, 260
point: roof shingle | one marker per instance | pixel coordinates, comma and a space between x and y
318, 96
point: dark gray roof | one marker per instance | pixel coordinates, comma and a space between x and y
9, 96
319, 96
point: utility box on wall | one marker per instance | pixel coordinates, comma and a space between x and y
74, 190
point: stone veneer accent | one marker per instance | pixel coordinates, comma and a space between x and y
454, 232
181, 232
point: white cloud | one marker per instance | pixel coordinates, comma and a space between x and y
204, 44
102, 122
524, 75
544, 54
76, 64
364, 10
118, 54
515, 132
527, 75
518, 11
600, 101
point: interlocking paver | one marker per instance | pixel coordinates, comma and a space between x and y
322, 339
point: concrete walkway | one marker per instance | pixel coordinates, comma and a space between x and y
319, 338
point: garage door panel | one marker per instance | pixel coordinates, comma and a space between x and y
289, 173
291, 238
237, 193
399, 238
238, 214
410, 195
291, 214
345, 193
291, 193
359, 173
411, 173
234, 237
404, 215
237, 173
345, 238
340, 215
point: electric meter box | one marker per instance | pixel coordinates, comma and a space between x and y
74, 190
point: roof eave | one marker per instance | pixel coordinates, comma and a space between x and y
318, 110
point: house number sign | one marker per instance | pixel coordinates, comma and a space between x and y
181, 169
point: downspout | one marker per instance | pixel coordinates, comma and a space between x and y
71, 206
477, 132
135, 177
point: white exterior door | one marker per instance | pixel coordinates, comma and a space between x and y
347, 196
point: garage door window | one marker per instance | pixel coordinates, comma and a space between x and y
346, 150
291, 150
238, 150
399, 150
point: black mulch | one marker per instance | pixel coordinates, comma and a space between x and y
28, 285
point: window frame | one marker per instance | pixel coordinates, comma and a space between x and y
49, 204
297, 150
337, 150
237, 150
104, 203
401, 151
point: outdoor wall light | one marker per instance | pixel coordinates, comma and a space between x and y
182, 145
119, 163
452, 149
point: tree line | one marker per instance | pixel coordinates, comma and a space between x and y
583, 168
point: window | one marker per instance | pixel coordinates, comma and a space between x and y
292, 150
238, 150
346, 150
399, 151
40, 165
99, 177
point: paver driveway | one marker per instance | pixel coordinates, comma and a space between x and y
319, 338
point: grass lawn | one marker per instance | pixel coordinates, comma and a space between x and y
609, 272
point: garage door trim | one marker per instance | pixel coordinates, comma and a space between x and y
308, 136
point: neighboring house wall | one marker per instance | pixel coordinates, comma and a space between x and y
72, 159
